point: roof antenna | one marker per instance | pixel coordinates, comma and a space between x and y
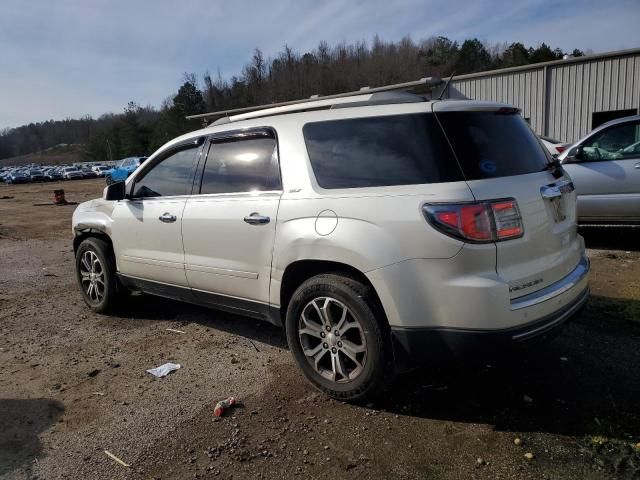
446, 85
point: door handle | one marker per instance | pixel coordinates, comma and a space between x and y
637, 166
166, 217
256, 219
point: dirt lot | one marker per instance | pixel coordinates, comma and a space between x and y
73, 384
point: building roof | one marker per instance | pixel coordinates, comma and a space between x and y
535, 66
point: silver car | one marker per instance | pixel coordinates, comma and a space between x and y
605, 168
380, 231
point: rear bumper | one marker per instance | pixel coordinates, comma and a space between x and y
417, 346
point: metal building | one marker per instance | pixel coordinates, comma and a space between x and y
564, 99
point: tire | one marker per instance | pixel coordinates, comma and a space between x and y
335, 372
103, 296
109, 180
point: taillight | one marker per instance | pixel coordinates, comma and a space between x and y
478, 222
560, 148
507, 220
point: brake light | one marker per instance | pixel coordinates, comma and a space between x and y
479, 222
475, 223
560, 148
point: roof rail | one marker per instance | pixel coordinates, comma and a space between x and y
427, 84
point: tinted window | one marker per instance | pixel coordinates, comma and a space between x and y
380, 151
242, 165
614, 143
493, 144
172, 176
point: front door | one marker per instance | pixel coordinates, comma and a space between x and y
146, 232
228, 227
607, 176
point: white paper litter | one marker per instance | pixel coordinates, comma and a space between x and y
164, 370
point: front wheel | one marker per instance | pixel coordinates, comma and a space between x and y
335, 330
96, 274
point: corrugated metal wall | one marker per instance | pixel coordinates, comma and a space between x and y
559, 98
523, 89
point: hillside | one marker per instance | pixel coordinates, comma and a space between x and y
60, 154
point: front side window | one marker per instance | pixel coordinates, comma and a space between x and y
242, 165
380, 151
172, 176
614, 143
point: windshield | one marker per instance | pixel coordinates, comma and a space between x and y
493, 144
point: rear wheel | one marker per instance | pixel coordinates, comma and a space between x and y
109, 180
96, 274
335, 332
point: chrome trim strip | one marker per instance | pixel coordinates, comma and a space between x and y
555, 289
153, 261
192, 267
582, 299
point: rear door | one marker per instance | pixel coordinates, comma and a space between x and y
229, 226
501, 158
607, 177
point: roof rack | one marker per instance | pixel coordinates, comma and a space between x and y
317, 101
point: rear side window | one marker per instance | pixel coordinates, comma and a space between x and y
380, 151
242, 165
493, 144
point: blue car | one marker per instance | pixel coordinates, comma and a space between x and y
125, 168
18, 177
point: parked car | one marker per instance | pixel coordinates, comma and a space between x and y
72, 173
383, 234
18, 177
125, 168
100, 170
52, 175
36, 175
88, 173
554, 147
605, 168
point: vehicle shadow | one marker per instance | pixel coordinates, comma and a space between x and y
611, 237
584, 382
21, 421
148, 307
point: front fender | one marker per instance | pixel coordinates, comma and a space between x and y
94, 215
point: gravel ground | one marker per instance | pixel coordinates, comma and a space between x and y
73, 384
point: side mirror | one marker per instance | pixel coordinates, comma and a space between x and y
115, 191
574, 155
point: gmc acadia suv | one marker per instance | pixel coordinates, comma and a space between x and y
379, 231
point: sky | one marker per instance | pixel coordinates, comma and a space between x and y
69, 58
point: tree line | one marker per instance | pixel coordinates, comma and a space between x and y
287, 76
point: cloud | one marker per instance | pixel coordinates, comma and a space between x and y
71, 57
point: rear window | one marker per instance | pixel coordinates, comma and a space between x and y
380, 151
493, 144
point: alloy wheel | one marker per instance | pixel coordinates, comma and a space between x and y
92, 276
332, 339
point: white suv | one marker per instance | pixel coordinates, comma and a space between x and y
381, 231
